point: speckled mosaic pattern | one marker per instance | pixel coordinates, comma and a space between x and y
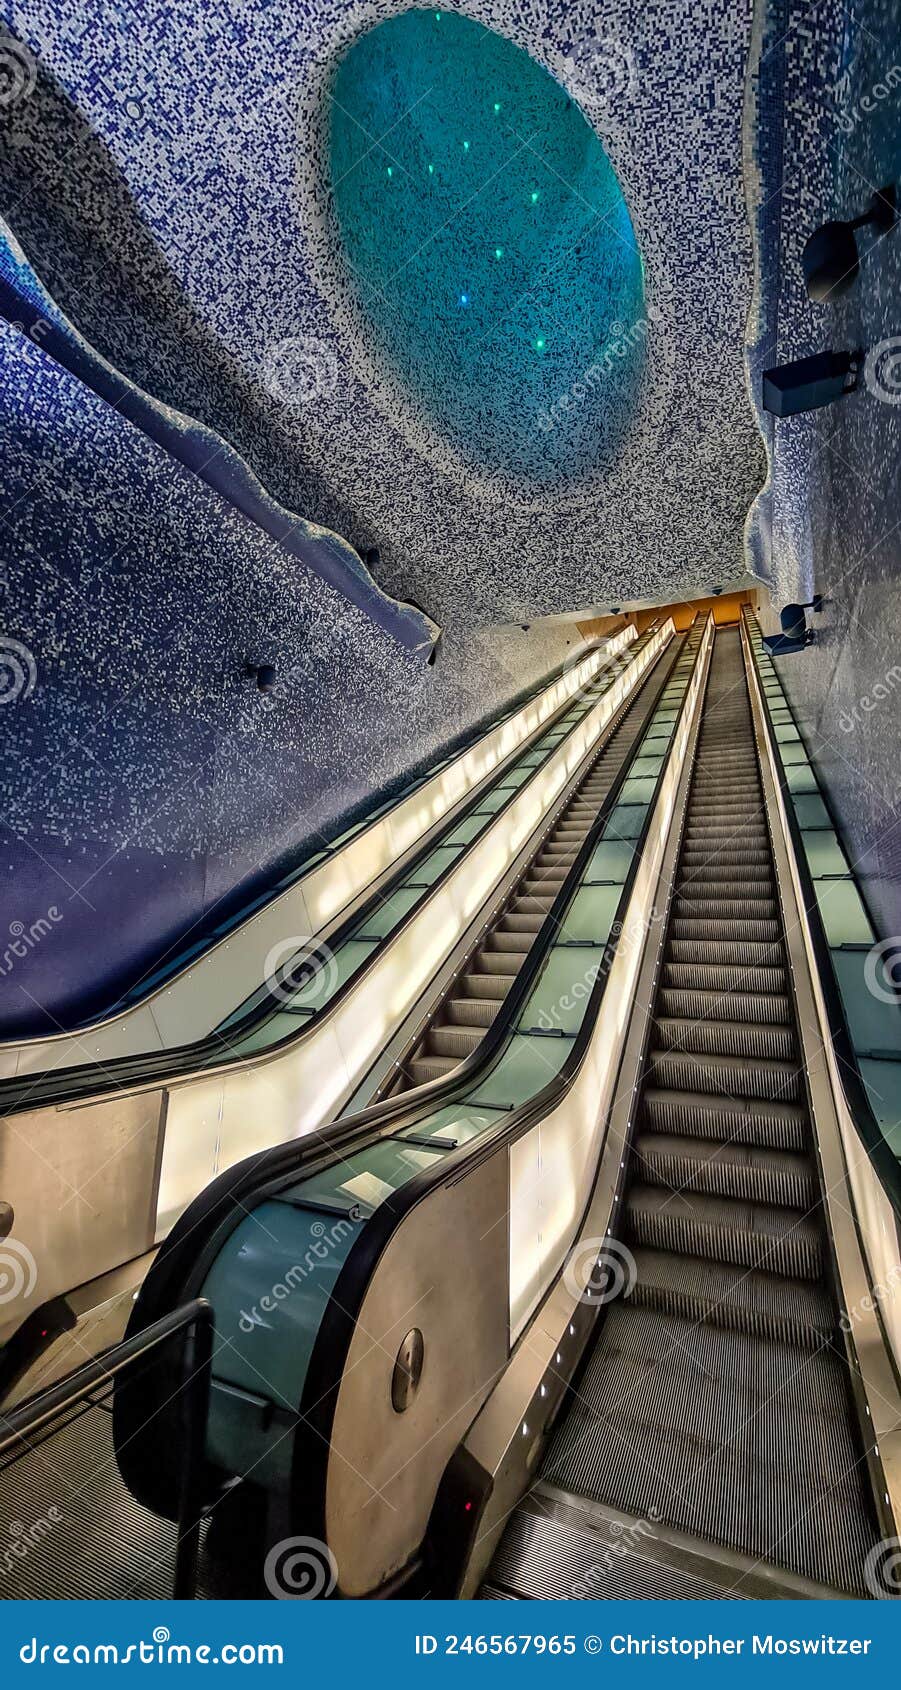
167, 176
834, 513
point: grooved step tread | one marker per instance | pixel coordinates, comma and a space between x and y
751, 1235
734, 1438
763, 1304
739, 1171
775, 1126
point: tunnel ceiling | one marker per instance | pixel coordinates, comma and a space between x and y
578, 433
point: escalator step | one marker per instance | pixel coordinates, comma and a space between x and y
732, 1077
750, 1235
763, 1304
697, 1004
454, 1041
735, 927
422, 1069
486, 964
743, 1172
709, 1037
717, 977
777, 1126
513, 923
736, 1439
744, 952
518, 944
471, 1012
484, 985
722, 909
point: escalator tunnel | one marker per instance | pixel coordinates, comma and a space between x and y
579, 1315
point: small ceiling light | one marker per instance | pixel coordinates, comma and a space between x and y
464, 299
497, 107
466, 146
540, 343
390, 170
498, 252
534, 196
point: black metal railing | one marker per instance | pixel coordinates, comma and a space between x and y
19, 1428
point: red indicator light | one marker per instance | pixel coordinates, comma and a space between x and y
467, 1506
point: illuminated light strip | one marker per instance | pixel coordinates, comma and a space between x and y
190, 1005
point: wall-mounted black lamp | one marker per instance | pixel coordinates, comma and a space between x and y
263, 673
831, 261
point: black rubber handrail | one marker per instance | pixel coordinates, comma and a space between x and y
20, 1426
860, 1109
67, 1085
196, 1239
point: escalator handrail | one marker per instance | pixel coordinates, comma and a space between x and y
146, 1070
198, 1235
880, 1154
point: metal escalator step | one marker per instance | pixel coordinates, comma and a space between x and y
718, 1229
499, 940
454, 1041
513, 923
740, 856
744, 952
486, 963
484, 985
735, 1439
763, 1304
732, 1077
716, 977
710, 1037
721, 909
421, 1069
777, 1126
527, 903
547, 1559
744, 1172
716, 883
733, 927
471, 1012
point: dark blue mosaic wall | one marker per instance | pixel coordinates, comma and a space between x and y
168, 177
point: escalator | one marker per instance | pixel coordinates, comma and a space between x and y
458, 1024
716, 1400
288, 1060
405, 1372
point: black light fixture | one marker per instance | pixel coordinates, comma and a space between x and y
831, 261
264, 675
